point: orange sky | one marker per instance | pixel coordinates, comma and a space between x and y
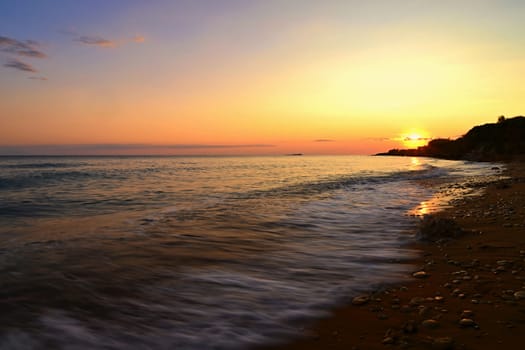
275, 77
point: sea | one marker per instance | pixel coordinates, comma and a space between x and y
204, 252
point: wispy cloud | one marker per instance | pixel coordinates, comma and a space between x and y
38, 78
408, 138
99, 41
15, 49
27, 48
183, 146
139, 39
19, 65
96, 41
133, 148
324, 140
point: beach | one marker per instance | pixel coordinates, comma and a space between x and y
241, 252
464, 293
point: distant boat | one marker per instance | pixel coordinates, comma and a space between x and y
295, 154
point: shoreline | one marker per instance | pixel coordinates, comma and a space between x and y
470, 296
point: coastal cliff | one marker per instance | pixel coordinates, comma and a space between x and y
493, 141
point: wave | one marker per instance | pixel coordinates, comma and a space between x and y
349, 182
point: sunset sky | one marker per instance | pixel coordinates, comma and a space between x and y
253, 77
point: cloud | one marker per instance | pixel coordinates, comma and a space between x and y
408, 138
324, 140
96, 41
133, 148
19, 65
38, 78
16, 48
27, 48
380, 139
139, 39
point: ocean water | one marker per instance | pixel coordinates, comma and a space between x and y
200, 252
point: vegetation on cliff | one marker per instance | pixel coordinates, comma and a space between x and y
493, 141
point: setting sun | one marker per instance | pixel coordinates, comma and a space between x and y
414, 139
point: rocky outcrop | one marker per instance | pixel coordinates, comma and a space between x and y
489, 142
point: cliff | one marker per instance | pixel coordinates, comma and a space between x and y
494, 141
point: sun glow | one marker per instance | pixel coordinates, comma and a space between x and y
415, 139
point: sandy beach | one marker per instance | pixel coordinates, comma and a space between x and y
465, 293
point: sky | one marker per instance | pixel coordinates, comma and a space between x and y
254, 76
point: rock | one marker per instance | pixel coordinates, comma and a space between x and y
388, 340
456, 292
519, 295
360, 300
420, 274
443, 343
430, 324
410, 327
406, 309
423, 311
433, 228
467, 322
417, 301
467, 314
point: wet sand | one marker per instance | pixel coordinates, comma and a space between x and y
470, 295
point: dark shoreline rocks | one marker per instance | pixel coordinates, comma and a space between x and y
433, 228
501, 141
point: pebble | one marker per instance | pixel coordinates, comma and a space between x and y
417, 301
467, 322
467, 314
420, 274
360, 300
430, 324
443, 343
456, 291
410, 327
423, 311
519, 295
406, 309
388, 340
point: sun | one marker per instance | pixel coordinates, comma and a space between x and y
414, 139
